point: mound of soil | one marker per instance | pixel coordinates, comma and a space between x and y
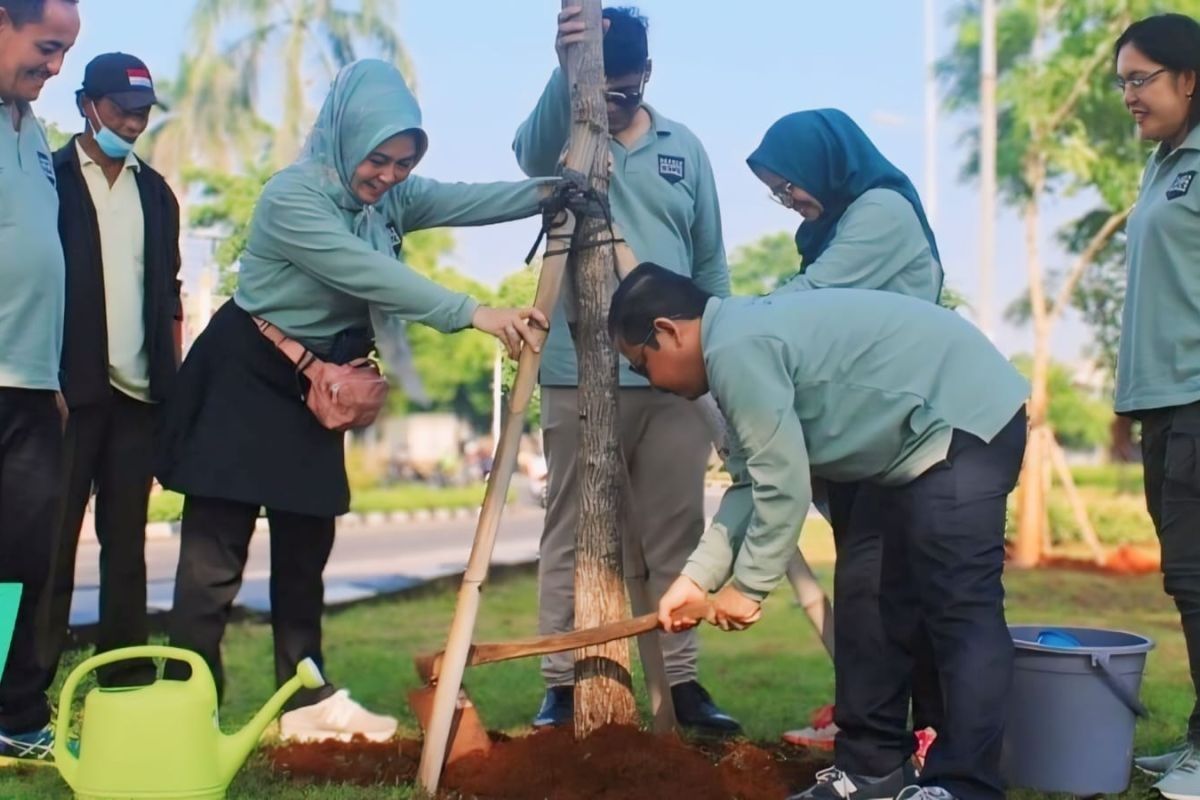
1124, 560
612, 764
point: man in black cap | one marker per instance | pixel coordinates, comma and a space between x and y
119, 225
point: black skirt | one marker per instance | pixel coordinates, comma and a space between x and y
236, 426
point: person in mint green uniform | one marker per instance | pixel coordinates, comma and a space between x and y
1157, 64
35, 35
864, 228
664, 201
905, 398
864, 225
322, 260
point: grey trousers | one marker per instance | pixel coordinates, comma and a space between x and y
666, 445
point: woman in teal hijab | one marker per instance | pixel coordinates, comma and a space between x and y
323, 264
864, 228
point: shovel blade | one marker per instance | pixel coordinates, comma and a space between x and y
467, 732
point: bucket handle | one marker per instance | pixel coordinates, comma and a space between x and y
1100, 664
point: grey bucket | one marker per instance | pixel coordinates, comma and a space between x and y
1072, 710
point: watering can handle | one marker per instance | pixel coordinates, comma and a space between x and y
1100, 664
67, 698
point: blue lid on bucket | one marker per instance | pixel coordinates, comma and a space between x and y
1053, 637
1069, 640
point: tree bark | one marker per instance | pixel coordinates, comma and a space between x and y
603, 685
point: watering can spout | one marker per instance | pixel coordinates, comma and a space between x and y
236, 747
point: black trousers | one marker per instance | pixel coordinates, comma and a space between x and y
109, 446
30, 477
215, 543
1171, 456
870, 740
942, 570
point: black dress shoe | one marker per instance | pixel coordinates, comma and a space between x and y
695, 709
558, 707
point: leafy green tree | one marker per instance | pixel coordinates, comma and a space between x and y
227, 203
1062, 130
518, 289
238, 44
761, 266
455, 369
55, 135
1079, 418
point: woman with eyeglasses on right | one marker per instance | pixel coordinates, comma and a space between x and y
864, 227
1158, 369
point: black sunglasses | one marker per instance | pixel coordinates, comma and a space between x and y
627, 98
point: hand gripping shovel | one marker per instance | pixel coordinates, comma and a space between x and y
467, 731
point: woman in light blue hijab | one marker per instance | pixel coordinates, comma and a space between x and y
322, 263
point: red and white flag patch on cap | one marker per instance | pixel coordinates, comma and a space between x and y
139, 77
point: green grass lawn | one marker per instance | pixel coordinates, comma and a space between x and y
770, 677
167, 506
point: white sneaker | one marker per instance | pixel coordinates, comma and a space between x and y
924, 793
1182, 781
336, 717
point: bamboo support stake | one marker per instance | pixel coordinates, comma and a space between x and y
466, 610
1058, 460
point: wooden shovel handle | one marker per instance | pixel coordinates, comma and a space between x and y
429, 664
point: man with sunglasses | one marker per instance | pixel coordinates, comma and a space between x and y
664, 199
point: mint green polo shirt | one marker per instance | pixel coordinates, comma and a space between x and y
32, 269
305, 271
877, 244
842, 384
1158, 361
663, 197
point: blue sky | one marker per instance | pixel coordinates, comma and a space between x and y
727, 70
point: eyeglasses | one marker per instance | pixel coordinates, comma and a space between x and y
782, 194
1136, 84
640, 369
627, 99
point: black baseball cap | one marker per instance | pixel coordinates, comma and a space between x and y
122, 78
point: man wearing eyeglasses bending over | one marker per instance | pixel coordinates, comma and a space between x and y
664, 199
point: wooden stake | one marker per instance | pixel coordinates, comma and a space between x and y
458, 644
1058, 460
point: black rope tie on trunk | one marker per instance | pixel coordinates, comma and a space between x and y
573, 193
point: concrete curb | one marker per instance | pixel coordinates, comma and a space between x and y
370, 519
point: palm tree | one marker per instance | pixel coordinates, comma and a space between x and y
241, 44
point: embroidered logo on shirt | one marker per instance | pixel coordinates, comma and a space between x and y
1182, 183
47, 167
671, 168
397, 239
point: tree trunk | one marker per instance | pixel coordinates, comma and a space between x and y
603, 685
1032, 519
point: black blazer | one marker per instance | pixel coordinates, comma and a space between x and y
85, 337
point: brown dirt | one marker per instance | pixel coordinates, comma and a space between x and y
1124, 560
615, 763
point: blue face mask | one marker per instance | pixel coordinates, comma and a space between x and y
110, 143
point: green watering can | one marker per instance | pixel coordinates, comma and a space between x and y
162, 740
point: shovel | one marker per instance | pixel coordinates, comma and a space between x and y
467, 731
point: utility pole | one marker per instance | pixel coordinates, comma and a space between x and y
930, 198
987, 168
